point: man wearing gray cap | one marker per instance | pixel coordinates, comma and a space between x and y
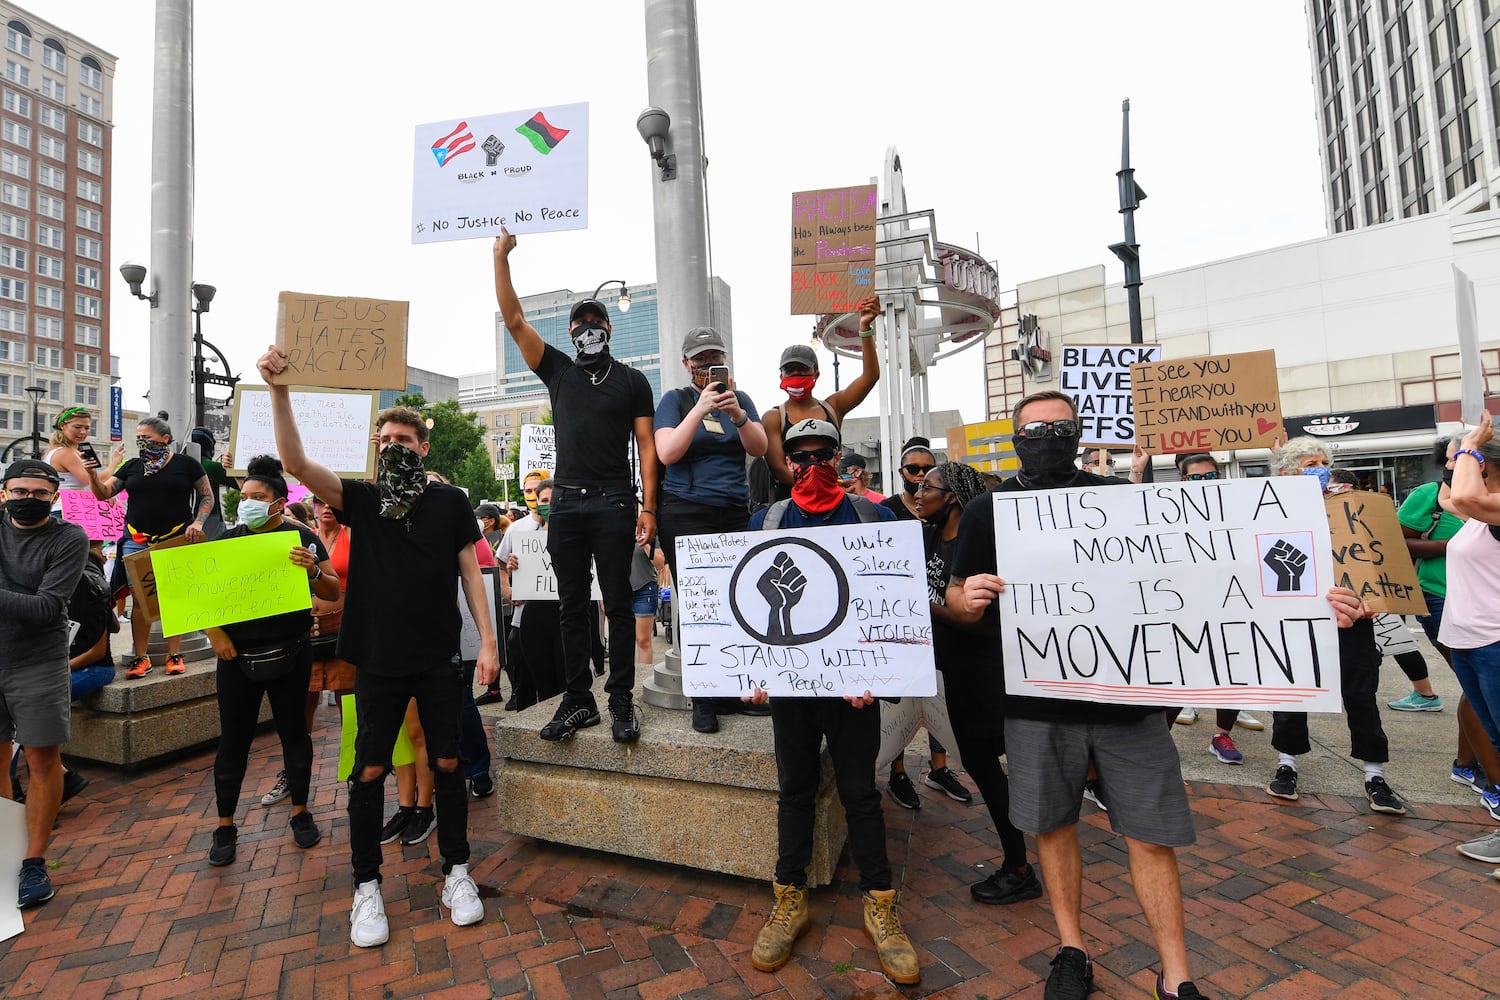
41, 561
704, 431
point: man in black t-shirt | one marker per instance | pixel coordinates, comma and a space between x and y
598, 404
411, 542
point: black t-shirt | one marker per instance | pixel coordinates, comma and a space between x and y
401, 603
895, 504
594, 423
277, 629
164, 502
90, 607
975, 554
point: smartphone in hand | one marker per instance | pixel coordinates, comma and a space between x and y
718, 377
88, 452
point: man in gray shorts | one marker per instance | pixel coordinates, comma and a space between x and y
1049, 744
41, 561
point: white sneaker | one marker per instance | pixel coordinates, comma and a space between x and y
367, 926
461, 897
1247, 721
1486, 849
1187, 716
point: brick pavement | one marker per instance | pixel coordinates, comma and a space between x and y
1319, 899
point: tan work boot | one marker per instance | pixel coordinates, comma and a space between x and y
897, 956
787, 921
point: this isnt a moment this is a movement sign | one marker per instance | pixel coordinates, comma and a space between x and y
1205, 593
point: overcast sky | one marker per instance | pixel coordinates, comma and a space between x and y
1006, 116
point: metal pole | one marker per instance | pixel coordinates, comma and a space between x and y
1129, 251
199, 403
36, 427
171, 206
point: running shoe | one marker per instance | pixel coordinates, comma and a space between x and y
1222, 747
176, 664
1414, 702
278, 791
903, 791
944, 780
139, 667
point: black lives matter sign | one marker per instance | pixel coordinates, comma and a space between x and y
1097, 376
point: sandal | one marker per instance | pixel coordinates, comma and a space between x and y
140, 666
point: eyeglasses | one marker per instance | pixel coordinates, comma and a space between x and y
1196, 476
917, 470
811, 457
936, 489
15, 494
1049, 428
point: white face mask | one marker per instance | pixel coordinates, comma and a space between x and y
255, 513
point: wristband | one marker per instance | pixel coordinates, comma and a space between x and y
645, 511
866, 334
1470, 451
744, 419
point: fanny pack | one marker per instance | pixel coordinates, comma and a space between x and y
269, 663
143, 538
325, 634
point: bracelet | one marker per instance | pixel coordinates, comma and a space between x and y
645, 511
866, 334
744, 419
1470, 451
317, 575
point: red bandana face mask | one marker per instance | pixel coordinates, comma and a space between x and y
815, 488
798, 386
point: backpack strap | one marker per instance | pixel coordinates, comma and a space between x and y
866, 509
774, 514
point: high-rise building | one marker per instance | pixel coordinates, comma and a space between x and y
1407, 95
55, 113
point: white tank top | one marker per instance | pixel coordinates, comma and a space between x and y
1471, 611
69, 481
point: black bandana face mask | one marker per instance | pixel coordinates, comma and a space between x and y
1046, 461
401, 479
591, 341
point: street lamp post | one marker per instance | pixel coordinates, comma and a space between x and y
36, 392
203, 295
624, 303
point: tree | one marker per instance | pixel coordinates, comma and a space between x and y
458, 452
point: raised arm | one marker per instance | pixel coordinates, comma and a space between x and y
775, 454
320, 481
1469, 494
523, 333
855, 392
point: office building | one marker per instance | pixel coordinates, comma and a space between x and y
434, 387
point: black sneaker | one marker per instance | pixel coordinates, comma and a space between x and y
73, 783
705, 718
482, 786
944, 780
1185, 990
1005, 887
625, 725
489, 697
305, 832
1382, 799
396, 825
419, 826
570, 717
1284, 785
1072, 976
36, 886
222, 851
903, 791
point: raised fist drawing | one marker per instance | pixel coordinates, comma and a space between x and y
1288, 563
781, 585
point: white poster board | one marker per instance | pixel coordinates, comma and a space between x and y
812, 612
1393, 635
533, 579
12, 853
1097, 376
538, 448
1204, 593
468, 631
335, 426
527, 170
1470, 364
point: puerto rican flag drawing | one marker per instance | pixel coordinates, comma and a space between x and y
460, 140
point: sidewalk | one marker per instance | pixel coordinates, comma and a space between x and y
1315, 899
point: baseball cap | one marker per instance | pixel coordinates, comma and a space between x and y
853, 460
700, 339
489, 510
589, 305
799, 354
32, 468
812, 428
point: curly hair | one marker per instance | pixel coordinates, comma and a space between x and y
963, 481
1289, 459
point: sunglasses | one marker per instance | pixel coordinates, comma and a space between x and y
1196, 476
917, 470
1049, 428
811, 457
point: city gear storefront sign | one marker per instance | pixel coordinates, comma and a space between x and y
1396, 418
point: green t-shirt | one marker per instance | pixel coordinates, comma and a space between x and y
1416, 513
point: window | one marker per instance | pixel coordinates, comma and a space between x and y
90, 218
90, 133
49, 267
86, 395
49, 328
50, 206
13, 257
54, 58
49, 357
54, 89
90, 105
88, 277
12, 288
9, 349
14, 195
88, 305
16, 133
86, 363
53, 118
53, 177
16, 73
86, 335
87, 246
5, 385
11, 420
15, 164
90, 161
17, 103
49, 236
49, 297
51, 145
18, 39
90, 76
54, 389
90, 190
13, 320
12, 225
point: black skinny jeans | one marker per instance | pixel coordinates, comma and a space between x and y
597, 523
1359, 678
542, 648
979, 728
239, 707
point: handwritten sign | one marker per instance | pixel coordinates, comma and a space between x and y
1471, 379
538, 448
341, 342
335, 426
809, 612
1369, 552
468, 632
899, 722
142, 577
527, 170
1097, 376
1393, 636
833, 249
1212, 402
234, 580
102, 520
533, 578
1203, 593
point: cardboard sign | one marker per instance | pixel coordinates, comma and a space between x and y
833, 249
138, 571
102, 520
1393, 636
1097, 376
527, 170
806, 612
1204, 593
533, 578
341, 342
986, 446
335, 426
899, 722
1369, 552
468, 632
233, 580
1214, 402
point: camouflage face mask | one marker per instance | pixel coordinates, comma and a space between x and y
401, 479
